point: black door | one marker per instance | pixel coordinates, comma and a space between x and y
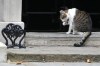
43, 15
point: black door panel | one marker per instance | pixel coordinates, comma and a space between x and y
43, 15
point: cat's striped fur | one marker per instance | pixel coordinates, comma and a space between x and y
79, 23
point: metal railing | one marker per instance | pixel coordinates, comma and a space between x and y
13, 32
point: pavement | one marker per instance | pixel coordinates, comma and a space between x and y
8, 64
51, 64
63, 64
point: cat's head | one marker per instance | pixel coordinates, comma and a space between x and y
63, 16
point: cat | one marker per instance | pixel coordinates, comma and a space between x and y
79, 23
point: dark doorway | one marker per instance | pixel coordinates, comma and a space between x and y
43, 15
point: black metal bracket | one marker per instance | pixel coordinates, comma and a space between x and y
13, 32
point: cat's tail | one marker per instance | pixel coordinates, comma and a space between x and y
82, 42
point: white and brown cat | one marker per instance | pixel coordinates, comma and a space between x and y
79, 23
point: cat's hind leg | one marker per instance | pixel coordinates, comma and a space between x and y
85, 37
75, 32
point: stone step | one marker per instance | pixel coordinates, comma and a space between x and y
55, 54
58, 39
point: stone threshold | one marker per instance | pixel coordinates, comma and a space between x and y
34, 39
56, 34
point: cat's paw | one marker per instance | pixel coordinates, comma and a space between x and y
80, 44
75, 33
68, 32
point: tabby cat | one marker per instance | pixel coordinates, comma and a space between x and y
79, 23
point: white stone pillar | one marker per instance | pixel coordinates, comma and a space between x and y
1, 10
10, 12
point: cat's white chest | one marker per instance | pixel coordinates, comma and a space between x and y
71, 14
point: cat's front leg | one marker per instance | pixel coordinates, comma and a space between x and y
69, 30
